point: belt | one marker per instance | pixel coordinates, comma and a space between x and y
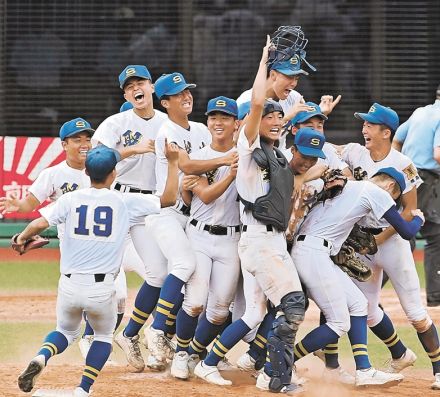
184, 209
99, 278
302, 237
373, 230
269, 228
217, 230
129, 189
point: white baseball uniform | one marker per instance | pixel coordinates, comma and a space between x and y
55, 181
268, 270
168, 228
287, 104
96, 224
214, 281
394, 256
321, 235
138, 171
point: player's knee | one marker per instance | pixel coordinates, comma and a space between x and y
293, 306
193, 310
422, 325
374, 316
107, 338
253, 318
359, 308
71, 336
217, 315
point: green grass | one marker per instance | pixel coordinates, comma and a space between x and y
40, 276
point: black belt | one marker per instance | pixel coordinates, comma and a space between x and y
99, 278
302, 237
184, 209
269, 228
373, 230
218, 230
129, 189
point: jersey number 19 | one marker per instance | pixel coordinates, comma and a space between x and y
102, 221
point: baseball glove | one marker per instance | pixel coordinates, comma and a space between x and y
334, 182
347, 260
362, 241
30, 244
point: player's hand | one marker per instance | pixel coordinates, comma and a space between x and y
10, 204
171, 152
327, 103
265, 55
298, 186
189, 182
233, 168
145, 146
297, 108
418, 213
230, 158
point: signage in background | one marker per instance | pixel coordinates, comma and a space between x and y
22, 159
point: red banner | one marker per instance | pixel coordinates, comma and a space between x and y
23, 158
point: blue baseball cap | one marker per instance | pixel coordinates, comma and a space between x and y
301, 117
125, 106
379, 114
222, 104
310, 142
396, 175
171, 84
75, 126
100, 161
291, 67
243, 110
130, 71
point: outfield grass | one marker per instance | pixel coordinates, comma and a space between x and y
40, 276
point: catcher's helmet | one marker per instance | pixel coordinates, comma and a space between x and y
286, 41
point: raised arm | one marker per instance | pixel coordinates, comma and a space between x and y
13, 204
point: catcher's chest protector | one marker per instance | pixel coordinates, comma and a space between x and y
274, 207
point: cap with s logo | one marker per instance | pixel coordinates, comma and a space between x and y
379, 114
290, 67
309, 142
301, 117
222, 104
171, 84
130, 71
75, 126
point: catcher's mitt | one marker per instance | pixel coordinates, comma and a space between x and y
347, 260
30, 244
334, 182
362, 241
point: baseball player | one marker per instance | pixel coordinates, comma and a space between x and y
132, 133
268, 271
342, 303
213, 231
65, 177
175, 96
96, 223
394, 254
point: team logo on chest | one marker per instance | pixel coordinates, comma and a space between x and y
67, 187
359, 174
188, 146
131, 138
210, 175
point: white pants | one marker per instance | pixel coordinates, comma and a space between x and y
327, 285
268, 271
175, 255
81, 293
214, 281
395, 257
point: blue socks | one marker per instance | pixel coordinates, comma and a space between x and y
387, 334
358, 340
205, 334
185, 329
55, 343
95, 360
314, 340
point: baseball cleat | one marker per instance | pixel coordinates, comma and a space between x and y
179, 366
374, 377
339, 375
154, 364
28, 377
436, 384
263, 381
246, 363
396, 365
210, 374
193, 360
84, 345
159, 345
132, 350
225, 365
80, 392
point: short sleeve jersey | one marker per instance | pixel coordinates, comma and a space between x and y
225, 209
126, 129
96, 224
